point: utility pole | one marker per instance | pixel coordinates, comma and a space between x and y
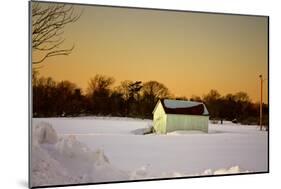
261, 80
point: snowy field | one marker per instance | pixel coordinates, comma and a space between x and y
102, 149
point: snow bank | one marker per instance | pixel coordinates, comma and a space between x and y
232, 170
143, 131
44, 133
140, 173
46, 170
65, 160
69, 147
144, 172
222, 171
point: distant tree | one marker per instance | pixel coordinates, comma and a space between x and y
117, 104
34, 78
212, 102
265, 111
65, 93
78, 103
44, 97
100, 84
213, 95
180, 98
48, 22
133, 103
243, 101
124, 89
134, 89
154, 90
151, 92
230, 107
99, 92
51, 98
242, 97
195, 98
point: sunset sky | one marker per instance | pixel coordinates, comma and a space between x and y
190, 53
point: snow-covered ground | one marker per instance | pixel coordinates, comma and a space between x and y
101, 149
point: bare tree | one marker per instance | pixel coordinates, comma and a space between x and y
155, 90
195, 98
100, 84
242, 97
123, 88
48, 22
212, 96
98, 92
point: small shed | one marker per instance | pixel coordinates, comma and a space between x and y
171, 115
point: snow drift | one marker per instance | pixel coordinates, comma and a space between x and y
65, 160
44, 133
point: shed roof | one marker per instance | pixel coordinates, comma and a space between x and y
184, 107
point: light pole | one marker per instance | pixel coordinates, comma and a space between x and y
261, 80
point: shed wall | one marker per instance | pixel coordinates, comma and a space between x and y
159, 119
186, 122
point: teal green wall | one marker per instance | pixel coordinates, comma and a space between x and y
186, 122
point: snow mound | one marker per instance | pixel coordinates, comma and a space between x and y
231, 170
44, 133
140, 173
104, 171
91, 166
223, 171
70, 147
143, 131
65, 160
100, 158
171, 174
46, 170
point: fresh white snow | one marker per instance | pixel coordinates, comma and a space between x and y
183, 104
101, 149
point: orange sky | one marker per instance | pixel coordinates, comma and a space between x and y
190, 53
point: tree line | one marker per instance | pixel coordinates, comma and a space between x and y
64, 98
130, 99
236, 107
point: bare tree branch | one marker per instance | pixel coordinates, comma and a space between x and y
48, 22
54, 53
